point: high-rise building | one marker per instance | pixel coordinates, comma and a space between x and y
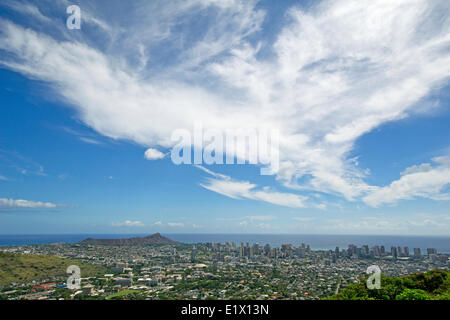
267, 249
417, 252
394, 252
399, 251
377, 251
273, 253
241, 250
383, 251
352, 251
255, 249
406, 251
247, 249
336, 252
300, 252
365, 250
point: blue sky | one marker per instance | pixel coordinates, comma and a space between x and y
359, 92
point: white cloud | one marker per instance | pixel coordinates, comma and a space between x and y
224, 185
336, 71
89, 140
250, 224
424, 167
153, 154
417, 224
246, 190
212, 173
27, 9
175, 224
128, 223
171, 224
423, 181
12, 203
159, 224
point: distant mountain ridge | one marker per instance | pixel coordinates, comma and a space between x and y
156, 238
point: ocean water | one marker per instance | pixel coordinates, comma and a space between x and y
442, 244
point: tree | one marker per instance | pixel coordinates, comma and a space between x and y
413, 294
432, 285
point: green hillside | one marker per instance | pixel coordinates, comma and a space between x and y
432, 285
23, 268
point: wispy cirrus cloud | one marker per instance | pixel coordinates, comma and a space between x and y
84, 137
335, 71
21, 164
27, 9
226, 186
90, 140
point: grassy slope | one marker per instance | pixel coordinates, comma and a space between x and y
122, 294
23, 268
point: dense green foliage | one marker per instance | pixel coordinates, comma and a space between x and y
432, 285
23, 268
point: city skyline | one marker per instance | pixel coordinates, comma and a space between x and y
361, 106
158, 268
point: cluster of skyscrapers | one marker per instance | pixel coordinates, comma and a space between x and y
286, 250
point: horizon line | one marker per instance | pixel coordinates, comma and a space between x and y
206, 233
